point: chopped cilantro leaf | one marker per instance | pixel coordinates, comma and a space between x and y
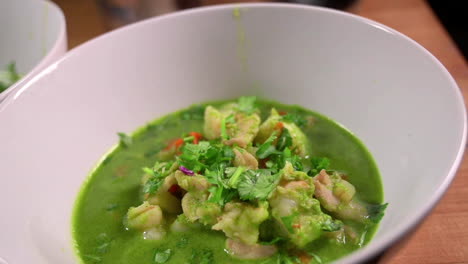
157, 175
221, 195
247, 104
318, 164
193, 154
162, 256
235, 177
376, 212
125, 140
299, 120
284, 141
228, 152
331, 225
267, 148
224, 123
230, 119
152, 185
277, 160
257, 184
288, 222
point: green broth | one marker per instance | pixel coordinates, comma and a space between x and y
114, 186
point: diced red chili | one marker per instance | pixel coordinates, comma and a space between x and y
282, 113
174, 188
279, 126
196, 137
176, 191
176, 143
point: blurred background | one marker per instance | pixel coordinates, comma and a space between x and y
87, 19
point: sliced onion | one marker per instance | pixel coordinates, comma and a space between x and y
186, 171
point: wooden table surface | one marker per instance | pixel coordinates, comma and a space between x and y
443, 236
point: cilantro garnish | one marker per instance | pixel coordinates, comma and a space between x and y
277, 160
288, 222
162, 256
193, 155
284, 141
152, 185
222, 195
318, 164
157, 174
235, 176
376, 211
299, 120
246, 104
257, 184
224, 122
267, 148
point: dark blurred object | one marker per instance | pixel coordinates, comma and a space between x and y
337, 4
452, 14
118, 13
183, 4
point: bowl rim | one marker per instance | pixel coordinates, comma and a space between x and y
376, 246
59, 42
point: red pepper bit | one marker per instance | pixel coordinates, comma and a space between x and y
296, 226
176, 191
175, 143
178, 143
282, 113
174, 188
279, 126
196, 137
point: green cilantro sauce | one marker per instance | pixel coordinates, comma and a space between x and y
114, 186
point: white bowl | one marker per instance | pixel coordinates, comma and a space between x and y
387, 89
32, 34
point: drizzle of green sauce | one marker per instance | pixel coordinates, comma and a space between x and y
241, 43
